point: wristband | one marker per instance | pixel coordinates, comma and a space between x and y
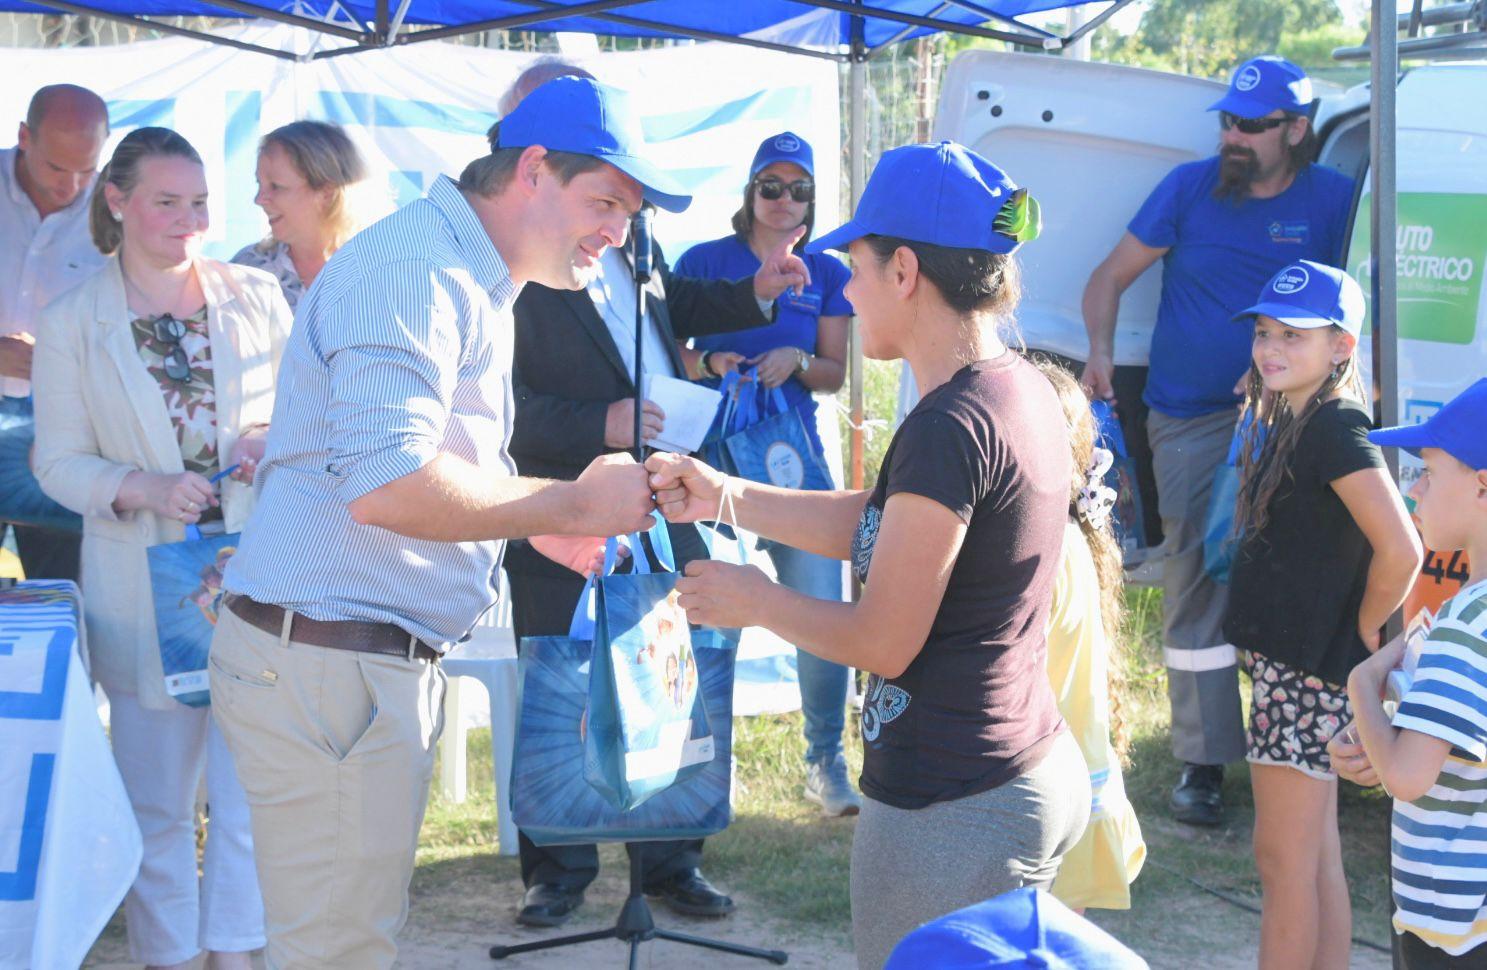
704, 364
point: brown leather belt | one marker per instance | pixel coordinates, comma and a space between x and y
362, 637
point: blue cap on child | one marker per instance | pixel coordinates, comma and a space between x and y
1020, 928
1308, 295
1459, 428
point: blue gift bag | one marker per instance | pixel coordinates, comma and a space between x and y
186, 590
765, 439
21, 497
1128, 516
564, 708
1219, 540
186, 586
647, 723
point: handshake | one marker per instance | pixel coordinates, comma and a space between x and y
616, 496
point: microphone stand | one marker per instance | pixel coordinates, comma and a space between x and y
635, 924
640, 253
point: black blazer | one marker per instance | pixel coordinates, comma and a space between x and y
567, 370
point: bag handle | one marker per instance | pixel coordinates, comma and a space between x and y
193, 531
746, 412
725, 505
581, 627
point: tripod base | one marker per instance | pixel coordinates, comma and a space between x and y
635, 926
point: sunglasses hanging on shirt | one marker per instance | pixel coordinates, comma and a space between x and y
801, 190
170, 331
1250, 126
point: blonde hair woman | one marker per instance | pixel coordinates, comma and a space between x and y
153, 375
307, 174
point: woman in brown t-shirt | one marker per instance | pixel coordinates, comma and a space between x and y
973, 785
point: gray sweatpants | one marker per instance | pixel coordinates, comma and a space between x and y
910, 866
1207, 720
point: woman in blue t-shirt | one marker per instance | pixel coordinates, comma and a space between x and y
803, 351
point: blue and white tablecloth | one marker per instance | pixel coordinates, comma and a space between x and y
69, 845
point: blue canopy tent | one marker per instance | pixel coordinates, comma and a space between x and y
859, 29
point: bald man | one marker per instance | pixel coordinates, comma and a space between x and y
45, 249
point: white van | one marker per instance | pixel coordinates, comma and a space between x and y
1091, 140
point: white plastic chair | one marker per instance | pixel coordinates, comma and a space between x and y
489, 656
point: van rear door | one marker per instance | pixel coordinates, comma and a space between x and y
1089, 141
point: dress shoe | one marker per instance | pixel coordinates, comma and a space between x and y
1198, 798
546, 904
690, 894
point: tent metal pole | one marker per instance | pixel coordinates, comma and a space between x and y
292, 19
857, 144
694, 33
856, 10
553, 12
1383, 222
1383, 216
79, 9
1094, 22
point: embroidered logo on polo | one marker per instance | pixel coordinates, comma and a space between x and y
1293, 280
1248, 79
787, 143
1293, 232
884, 704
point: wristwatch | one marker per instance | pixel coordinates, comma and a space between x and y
803, 360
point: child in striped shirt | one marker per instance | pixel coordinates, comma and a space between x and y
1432, 757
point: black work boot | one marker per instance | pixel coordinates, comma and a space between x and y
1198, 798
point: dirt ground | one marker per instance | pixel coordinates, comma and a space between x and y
457, 915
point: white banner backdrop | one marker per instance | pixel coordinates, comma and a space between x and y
422, 110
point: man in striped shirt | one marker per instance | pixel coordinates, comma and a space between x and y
1433, 756
385, 497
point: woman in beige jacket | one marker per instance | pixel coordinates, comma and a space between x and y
150, 377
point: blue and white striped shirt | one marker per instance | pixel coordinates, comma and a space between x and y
401, 350
1439, 841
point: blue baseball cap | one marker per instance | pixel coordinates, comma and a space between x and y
787, 146
1309, 295
1020, 928
944, 195
1459, 428
580, 115
1265, 84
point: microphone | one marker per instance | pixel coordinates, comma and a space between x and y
640, 243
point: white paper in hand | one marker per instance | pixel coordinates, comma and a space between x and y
689, 410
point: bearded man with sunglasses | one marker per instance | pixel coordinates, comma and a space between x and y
1221, 227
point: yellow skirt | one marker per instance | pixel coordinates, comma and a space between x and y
1099, 870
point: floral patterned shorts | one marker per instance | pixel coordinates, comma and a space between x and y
1292, 716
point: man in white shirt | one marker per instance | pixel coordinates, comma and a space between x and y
46, 182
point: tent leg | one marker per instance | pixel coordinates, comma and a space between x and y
857, 145
1383, 223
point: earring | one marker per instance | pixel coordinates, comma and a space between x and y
118, 216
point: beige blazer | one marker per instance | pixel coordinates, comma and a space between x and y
100, 415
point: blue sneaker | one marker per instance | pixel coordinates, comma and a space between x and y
826, 784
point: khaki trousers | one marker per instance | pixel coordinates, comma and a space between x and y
335, 750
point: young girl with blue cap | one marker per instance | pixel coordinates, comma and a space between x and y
972, 784
1326, 553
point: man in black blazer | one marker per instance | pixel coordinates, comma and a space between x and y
575, 393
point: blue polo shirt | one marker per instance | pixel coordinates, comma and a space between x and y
797, 322
1219, 257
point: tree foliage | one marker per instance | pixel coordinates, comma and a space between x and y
1209, 37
